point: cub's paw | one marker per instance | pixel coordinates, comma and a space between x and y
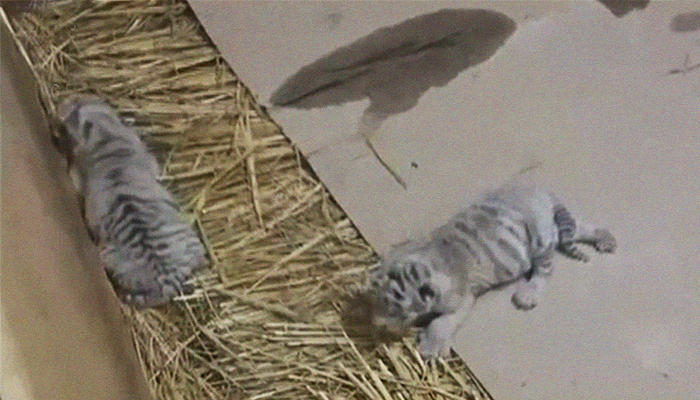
525, 298
154, 296
142, 299
147, 289
431, 347
604, 241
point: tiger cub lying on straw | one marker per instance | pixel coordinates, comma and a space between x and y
148, 248
509, 235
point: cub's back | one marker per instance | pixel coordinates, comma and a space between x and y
149, 249
494, 240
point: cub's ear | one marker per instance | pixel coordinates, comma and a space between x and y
71, 121
61, 139
56, 127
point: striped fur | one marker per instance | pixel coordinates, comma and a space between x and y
509, 236
148, 248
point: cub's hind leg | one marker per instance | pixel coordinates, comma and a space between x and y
572, 231
599, 238
568, 228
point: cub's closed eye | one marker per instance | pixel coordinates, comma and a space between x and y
425, 292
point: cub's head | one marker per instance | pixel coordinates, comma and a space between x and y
81, 120
403, 294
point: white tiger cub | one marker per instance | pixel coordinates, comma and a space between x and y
509, 236
148, 248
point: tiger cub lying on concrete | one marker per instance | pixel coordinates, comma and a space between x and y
509, 236
148, 248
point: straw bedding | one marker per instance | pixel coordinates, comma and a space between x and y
265, 318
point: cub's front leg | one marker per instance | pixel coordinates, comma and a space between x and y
436, 338
528, 292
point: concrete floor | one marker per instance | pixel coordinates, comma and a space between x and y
589, 96
62, 333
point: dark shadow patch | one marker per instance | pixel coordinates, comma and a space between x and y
426, 319
686, 22
394, 66
687, 67
620, 8
356, 318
